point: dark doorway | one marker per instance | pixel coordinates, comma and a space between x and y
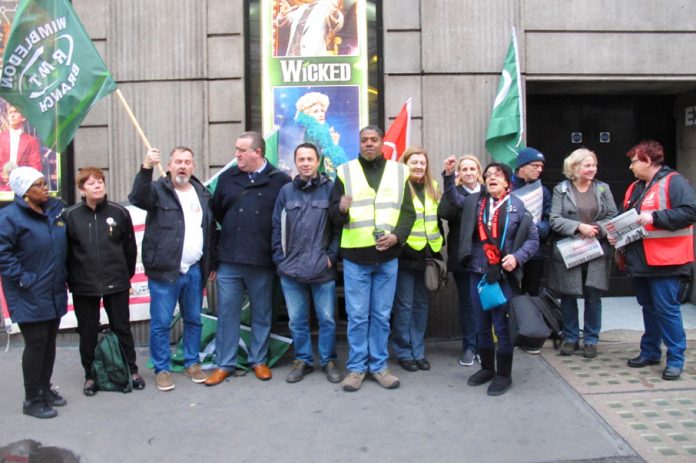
609, 125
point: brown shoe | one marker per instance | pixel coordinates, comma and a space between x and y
262, 371
196, 374
217, 376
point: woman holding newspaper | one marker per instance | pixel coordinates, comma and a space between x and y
666, 207
581, 262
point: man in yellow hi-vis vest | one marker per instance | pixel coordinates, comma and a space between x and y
372, 201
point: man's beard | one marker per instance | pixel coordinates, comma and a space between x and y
181, 180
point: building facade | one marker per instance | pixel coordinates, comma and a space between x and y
612, 71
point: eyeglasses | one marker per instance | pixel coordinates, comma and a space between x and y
496, 173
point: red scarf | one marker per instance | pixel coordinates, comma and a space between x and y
490, 246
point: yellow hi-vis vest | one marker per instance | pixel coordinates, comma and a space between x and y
425, 229
370, 211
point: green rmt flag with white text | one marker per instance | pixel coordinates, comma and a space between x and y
51, 70
506, 127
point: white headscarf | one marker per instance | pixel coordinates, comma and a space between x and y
22, 178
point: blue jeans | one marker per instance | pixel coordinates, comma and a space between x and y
496, 318
467, 319
410, 315
231, 281
593, 316
297, 301
662, 318
188, 291
369, 291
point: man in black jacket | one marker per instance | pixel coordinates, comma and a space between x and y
175, 256
243, 205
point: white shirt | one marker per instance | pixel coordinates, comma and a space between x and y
193, 228
14, 143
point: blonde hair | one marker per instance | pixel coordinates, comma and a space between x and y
574, 159
308, 100
430, 188
474, 159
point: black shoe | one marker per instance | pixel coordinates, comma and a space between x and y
38, 409
138, 382
640, 362
671, 373
569, 348
298, 371
54, 399
90, 388
589, 351
408, 364
480, 377
423, 364
499, 385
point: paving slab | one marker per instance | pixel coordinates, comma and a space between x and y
433, 416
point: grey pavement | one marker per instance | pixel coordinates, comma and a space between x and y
433, 416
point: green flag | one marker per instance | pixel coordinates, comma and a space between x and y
51, 70
272, 147
505, 129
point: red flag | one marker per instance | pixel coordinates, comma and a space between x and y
398, 136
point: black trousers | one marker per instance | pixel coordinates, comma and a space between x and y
87, 314
39, 356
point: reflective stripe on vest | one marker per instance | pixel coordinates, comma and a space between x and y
425, 229
663, 247
370, 211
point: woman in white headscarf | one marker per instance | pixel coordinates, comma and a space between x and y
33, 249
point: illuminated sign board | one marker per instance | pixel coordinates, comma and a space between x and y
314, 77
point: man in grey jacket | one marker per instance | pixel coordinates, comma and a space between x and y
305, 249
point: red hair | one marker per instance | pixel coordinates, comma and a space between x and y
648, 150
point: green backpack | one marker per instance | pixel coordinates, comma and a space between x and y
110, 369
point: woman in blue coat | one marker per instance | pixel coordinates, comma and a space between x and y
497, 236
33, 250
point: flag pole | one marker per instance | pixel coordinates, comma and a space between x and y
138, 129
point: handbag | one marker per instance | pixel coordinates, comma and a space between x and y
435, 274
490, 294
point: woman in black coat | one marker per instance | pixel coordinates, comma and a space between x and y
101, 262
465, 180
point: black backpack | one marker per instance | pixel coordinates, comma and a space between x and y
534, 319
110, 369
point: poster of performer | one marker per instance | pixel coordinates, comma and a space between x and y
314, 77
315, 28
321, 116
19, 143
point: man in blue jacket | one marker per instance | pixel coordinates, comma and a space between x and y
305, 250
175, 256
243, 205
526, 184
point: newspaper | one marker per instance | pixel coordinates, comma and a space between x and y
532, 196
576, 251
625, 228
